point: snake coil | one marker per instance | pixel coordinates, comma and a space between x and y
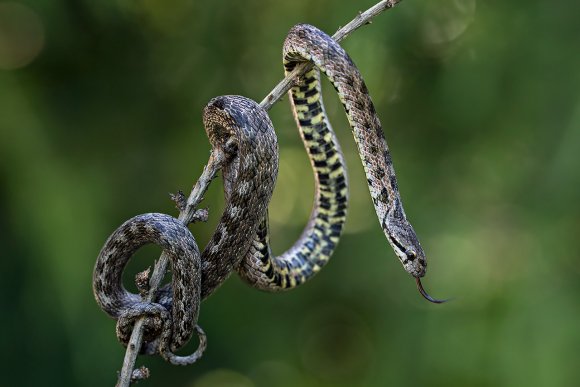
236, 126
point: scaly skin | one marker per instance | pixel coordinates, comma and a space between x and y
313, 249
242, 131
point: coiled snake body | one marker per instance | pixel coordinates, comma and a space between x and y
236, 126
243, 131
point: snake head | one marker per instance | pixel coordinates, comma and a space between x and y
404, 241
218, 123
402, 237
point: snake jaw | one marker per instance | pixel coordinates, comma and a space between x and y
425, 295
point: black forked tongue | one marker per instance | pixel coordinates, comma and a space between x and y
425, 295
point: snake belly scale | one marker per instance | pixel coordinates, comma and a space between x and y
313, 249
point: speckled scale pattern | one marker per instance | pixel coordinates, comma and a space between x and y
249, 181
180, 246
320, 237
240, 129
261, 269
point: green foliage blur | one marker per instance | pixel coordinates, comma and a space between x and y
100, 118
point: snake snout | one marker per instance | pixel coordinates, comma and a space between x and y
415, 268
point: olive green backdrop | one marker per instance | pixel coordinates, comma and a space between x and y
100, 118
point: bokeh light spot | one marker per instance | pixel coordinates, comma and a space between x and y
447, 20
223, 378
21, 35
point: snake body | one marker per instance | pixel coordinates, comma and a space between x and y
236, 127
244, 129
180, 246
313, 249
239, 129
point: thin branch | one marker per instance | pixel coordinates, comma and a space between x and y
190, 212
360, 20
186, 216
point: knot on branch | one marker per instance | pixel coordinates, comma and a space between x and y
198, 215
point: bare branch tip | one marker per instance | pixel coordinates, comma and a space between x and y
179, 199
200, 215
140, 373
142, 282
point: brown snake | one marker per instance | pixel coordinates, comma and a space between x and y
240, 129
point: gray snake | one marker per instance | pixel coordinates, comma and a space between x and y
235, 126
240, 129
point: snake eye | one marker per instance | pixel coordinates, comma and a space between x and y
411, 255
231, 146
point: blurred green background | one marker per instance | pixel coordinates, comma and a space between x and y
100, 117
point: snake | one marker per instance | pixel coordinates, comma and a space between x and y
236, 126
181, 248
240, 130
263, 270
